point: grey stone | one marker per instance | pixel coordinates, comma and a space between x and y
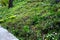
5, 35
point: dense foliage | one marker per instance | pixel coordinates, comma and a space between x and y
32, 19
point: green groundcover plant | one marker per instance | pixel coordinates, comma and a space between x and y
32, 19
